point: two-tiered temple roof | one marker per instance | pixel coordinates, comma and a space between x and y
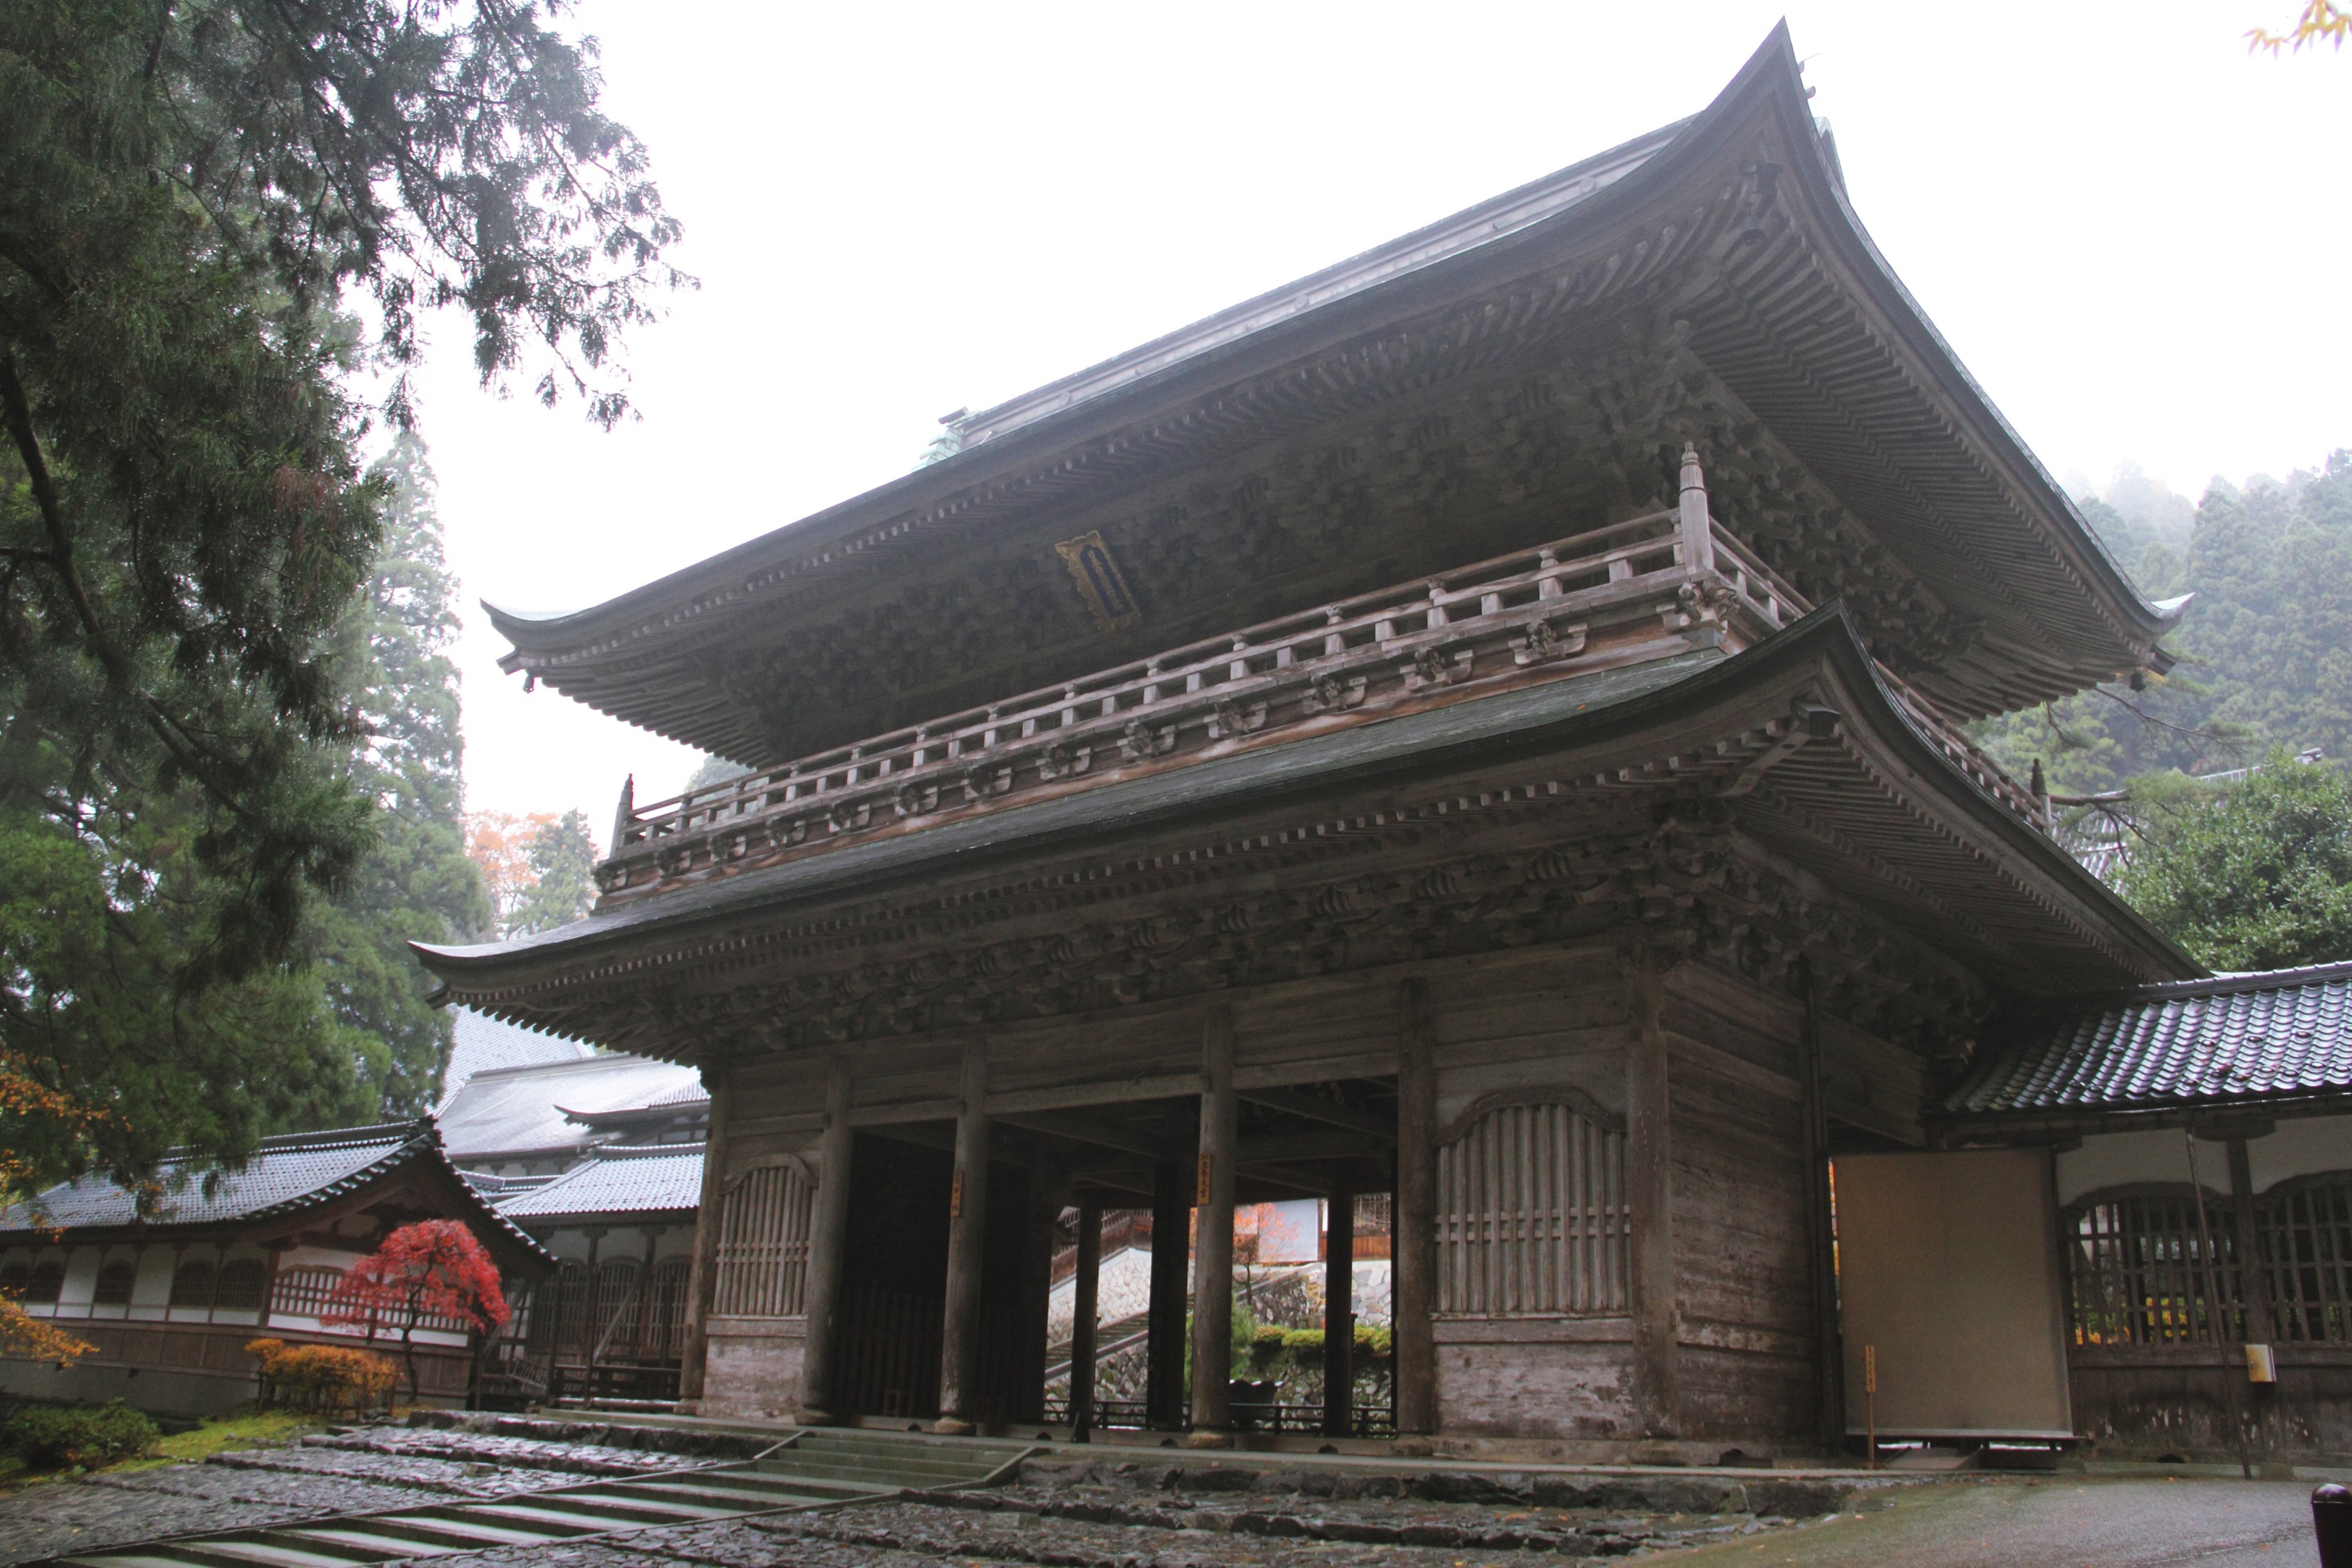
1499, 376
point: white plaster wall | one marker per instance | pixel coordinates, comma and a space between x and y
2304, 1145
2120, 1159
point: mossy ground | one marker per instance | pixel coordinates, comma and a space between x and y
213, 1435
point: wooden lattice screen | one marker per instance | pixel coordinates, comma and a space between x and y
764, 1236
2308, 1250
2138, 1275
1531, 1215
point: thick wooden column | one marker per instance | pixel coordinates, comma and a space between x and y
1649, 1193
1340, 1314
702, 1275
2254, 1282
1084, 1299
1172, 1251
1821, 1240
1049, 1194
1213, 1248
1413, 1245
966, 1243
828, 1234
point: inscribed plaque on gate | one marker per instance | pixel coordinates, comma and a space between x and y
1099, 582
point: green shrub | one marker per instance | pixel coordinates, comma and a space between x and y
47, 1437
1373, 1341
1303, 1339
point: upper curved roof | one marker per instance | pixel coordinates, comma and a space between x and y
1735, 219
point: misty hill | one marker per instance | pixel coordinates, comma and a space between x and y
2266, 646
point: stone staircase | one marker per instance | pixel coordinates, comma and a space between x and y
810, 1469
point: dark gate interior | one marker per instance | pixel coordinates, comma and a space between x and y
894, 1279
894, 1287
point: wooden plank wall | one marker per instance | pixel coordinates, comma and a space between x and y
1548, 1019
1748, 1360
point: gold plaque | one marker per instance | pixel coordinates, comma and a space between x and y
1099, 582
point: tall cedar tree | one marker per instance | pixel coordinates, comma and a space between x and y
417, 883
190, 190
2266, 642
563, 857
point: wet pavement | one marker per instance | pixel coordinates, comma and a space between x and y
1066, 1512
2061, 1522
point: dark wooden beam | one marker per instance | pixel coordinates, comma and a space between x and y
1313, 1108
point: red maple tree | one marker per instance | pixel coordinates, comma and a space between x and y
432, 1274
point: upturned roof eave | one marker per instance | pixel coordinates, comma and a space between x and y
874, 869
1771, 74
1930, 350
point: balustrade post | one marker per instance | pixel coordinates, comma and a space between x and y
1697, 532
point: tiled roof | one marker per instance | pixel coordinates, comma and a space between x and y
515, 1109
283, 1170
2274, 1036
285, 1175
618, 1181
483, 1044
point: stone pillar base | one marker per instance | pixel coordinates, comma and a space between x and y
953, 1427
1209, 1440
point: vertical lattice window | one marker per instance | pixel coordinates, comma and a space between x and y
2306, 1246
763, 1243
303, 1292
666, 1303
614, 1317
1531, 1216
114, 1283
49, 1279
2137, 1272
191, 1284
240, 1288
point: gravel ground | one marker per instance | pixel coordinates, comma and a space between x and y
1066, 1515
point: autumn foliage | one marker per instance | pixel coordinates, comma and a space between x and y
432, 1274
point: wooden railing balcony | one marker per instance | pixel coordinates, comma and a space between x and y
1647, 587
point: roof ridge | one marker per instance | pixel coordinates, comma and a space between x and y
2239, 982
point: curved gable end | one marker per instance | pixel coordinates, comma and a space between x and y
1466, 390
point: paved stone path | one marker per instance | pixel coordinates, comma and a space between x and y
365, 1471
2056, 1523
1073, 1512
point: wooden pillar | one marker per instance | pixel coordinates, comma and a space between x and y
2254, 1283
1649, 1193
1213, 1248
1821, 1240
1049, 1194
1172, 1251
702, 1276
1339, 1313
828, 1235
1085, 1301
1414, 1242
967, 1245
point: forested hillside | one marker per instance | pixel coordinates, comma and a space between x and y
2265, 646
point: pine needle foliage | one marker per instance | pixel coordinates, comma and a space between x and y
192, 194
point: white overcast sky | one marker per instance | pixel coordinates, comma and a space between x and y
2133, 234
